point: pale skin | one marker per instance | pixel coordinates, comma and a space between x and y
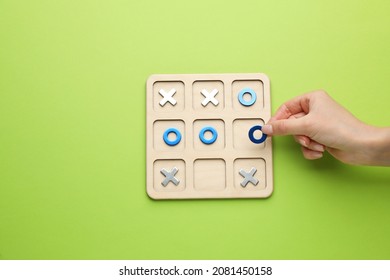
318, 123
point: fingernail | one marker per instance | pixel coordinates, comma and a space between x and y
302, 142
318, 155
318, 147
267, 129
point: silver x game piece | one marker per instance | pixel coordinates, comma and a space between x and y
209, 97
169, 176
167, 96
248, 177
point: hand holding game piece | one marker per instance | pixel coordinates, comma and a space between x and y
319, 123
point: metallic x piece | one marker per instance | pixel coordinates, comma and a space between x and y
167, 96
169, 176
248, 177
209, 97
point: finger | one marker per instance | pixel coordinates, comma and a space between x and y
285, 127
310, 154
295, 116
315, 146
309, 143
299, 115
299, 104
302, 140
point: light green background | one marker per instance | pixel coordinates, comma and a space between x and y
72, 128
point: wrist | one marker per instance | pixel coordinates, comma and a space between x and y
378, 146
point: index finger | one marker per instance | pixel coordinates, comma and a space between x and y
297, 105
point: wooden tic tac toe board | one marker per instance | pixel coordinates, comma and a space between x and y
203, 137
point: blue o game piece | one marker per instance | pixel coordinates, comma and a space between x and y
252, 137
213, 137
249, 91
173, 142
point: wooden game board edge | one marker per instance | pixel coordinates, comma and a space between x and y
263, 194
236, 76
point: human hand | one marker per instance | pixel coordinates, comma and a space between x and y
319, 123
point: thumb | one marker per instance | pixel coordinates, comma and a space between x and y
284, 127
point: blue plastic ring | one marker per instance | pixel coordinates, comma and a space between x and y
213, 132
252, 137
173, 142
249, 91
